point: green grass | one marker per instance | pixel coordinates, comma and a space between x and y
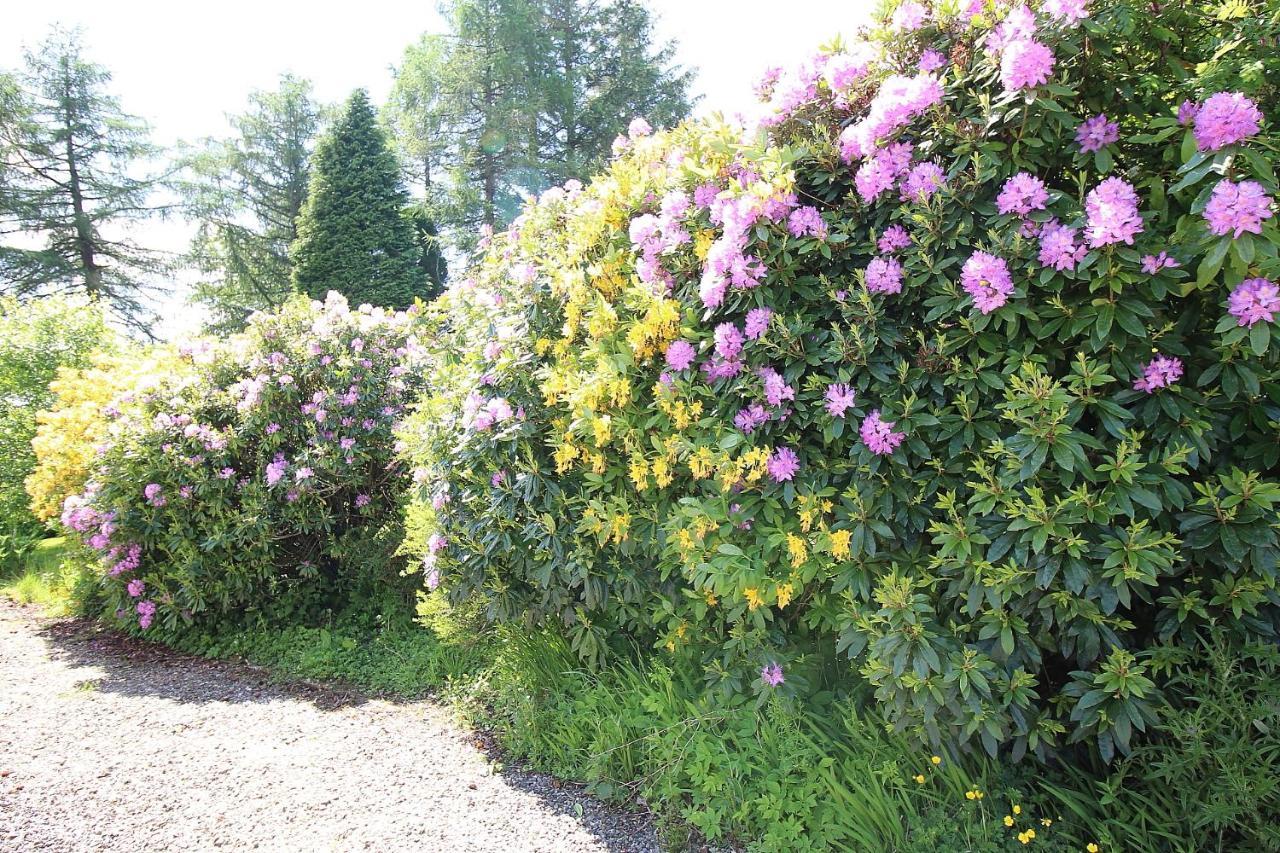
47, 575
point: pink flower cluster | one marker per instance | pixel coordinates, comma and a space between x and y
1161, 372
1097, 133
1225, 119
1255, 300
898, 101
1112, 213
1022, 194
883, 275
986, 278
1237, 208
878, 435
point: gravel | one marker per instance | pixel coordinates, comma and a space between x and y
110, 743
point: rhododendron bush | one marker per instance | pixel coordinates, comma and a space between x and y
963, 365
258, 473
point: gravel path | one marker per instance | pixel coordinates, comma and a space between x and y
108, 743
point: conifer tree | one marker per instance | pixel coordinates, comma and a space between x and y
352, 234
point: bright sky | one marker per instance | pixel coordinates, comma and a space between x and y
184, 66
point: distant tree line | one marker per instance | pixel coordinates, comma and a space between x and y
517, 96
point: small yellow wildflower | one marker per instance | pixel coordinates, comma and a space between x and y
1008, 820
840, 543
1092, 848
753, 597
919, 778
938, 760
710, 597
1017, 809
1024, 838
1044, 821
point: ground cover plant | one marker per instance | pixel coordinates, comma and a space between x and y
964, 365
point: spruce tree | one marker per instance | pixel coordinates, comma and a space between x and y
352, 235
431, 261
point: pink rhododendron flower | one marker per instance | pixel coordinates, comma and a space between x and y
1025, 65
1112, 213
783, 464
750, 418
758, 322
896, 103
680, 355
807, 221
1160, 372
922, 181
1236, 208
154, 494
136, 587
638, 128
1097, 133
771, 674
1152, 264
362, 501
1187, 112
839, 397
883, 275
1019, 25
931, 60
1067, 11
1225, 119
776, 390
894, 237
1022, 194
986, 278
729, 340
909, 16
878, 435
146, 612
1058, 247
1255, 300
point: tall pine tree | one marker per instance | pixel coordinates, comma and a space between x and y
247, 193
352, 234
72, 191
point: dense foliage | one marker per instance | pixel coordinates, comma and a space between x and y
258, 476
965, 363
37, 339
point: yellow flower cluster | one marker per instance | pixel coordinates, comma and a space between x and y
659, 326
68, 434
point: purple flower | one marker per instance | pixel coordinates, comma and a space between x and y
1254, 300
758, 322
303, 473
883, 275
1067, 11
1187, 112
893, 238
1096, 133
146, 612
839, 397
1022, 194
136, 587
638, 128
1225, 119
1058, 247
1025, 64
680, 355
362, 501
896, 103
728, 340
776, 390
1112, 213
807, 221
273, 428
931, 60
986, 278
750, 418
783, 464
1152, 264
909, 16
275, 469
1237, 208
878, 435
771, 674
499, 477
1160, 372
921, 182
154, 494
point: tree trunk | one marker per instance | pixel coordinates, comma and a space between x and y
84, 229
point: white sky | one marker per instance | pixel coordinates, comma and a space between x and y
184, 66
